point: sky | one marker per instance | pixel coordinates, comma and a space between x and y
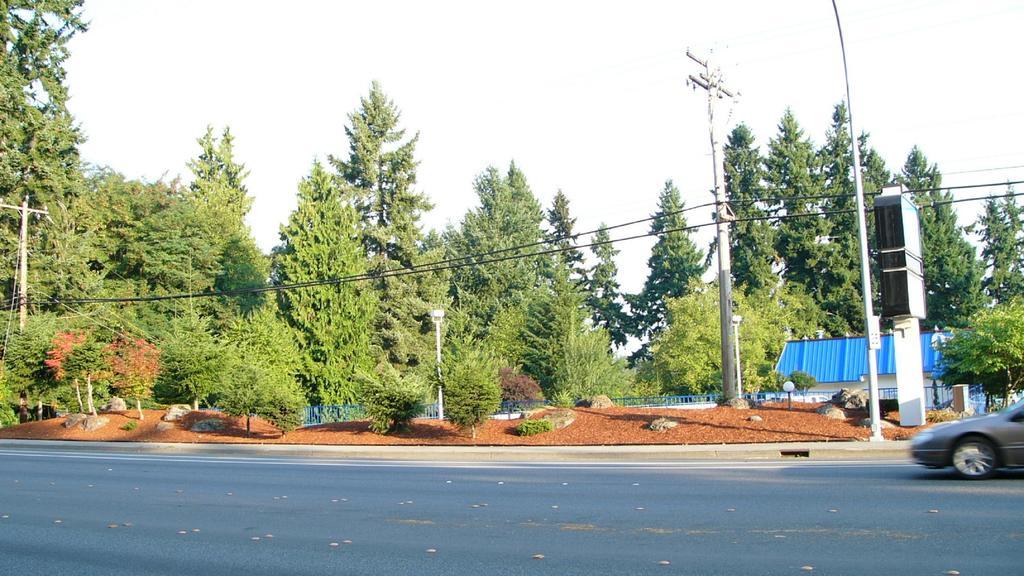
586, 97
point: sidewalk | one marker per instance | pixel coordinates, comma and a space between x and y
888, 450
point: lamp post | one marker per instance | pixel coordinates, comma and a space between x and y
437, 316
788, 387
736, 319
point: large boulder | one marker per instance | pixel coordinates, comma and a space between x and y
164, 426
74, 420
176, 412
92, 423
598, 402
851, 399
115, 404
737, 403
209, 425
560, 418
831, 411
662, 424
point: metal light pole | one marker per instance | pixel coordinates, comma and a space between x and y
437, 316
871, 328
736, 319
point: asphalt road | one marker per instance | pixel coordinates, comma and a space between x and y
91, 513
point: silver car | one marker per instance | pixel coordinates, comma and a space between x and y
975, 447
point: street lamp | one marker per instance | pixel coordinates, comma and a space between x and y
736, 319
437, 316
788, 388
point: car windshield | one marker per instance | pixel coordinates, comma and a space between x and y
1018, 404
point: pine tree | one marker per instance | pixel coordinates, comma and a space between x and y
560, 235
508, 216
602, 289
38, 138
952, 272
381, 169
332, 321
675, 262
791, 173
836, 287
752, 242
1001, 227
554, 314
220, 199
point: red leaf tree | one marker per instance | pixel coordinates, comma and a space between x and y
59, 359
135, 364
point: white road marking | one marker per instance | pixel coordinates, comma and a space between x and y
349, 463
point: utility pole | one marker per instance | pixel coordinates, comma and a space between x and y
23, 258
711, 81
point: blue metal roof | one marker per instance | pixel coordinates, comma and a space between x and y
845, 359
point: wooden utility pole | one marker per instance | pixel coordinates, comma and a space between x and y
23, 258
711, 81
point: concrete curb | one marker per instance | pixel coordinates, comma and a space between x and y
888, 450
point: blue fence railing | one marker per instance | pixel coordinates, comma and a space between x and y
935, 397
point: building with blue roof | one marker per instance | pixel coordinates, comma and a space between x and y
842, 362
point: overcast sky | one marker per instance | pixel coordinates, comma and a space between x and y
586, 97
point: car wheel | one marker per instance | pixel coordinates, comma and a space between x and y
974, 458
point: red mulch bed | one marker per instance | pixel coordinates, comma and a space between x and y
591, 428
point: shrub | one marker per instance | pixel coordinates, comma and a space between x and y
802, 380
8, 416
391, 400
129, 425
254, 391
471, 388
531, 427
517, 387
936, 416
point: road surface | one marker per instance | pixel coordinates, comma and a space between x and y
84, 513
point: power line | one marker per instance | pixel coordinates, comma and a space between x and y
475, 259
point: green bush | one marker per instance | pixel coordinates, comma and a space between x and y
130, 425
252, 390
531, 427
8, 416
471, 387
390, 399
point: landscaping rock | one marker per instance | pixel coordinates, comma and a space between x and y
850, 399
831, 411
74, 420
737, 403
560, 418
115, 404
209, 425
755, 418
176, 412
93, 423
598, 402
164, 426
662, 424
866, 423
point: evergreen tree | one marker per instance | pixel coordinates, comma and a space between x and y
602, 289
192, 363
675, 262
508, 216
837, 286
752, 242
791, 173
1001, 227
553, 315
220, 198
381, 169
332, 321
560, 235
952, 272
38, 139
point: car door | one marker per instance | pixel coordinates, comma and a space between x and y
1013, 439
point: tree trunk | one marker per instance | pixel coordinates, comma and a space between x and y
23, 415
88, 392
195, 404
248, 428
78, 394
39, 410
138, 406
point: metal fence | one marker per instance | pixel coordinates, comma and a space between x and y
936, 397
